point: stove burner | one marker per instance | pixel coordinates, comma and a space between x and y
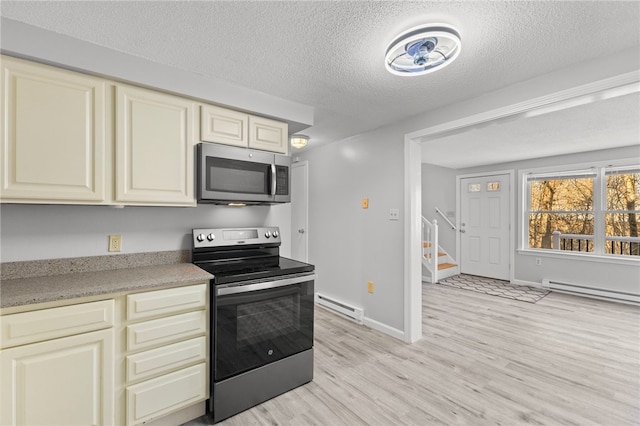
243, 254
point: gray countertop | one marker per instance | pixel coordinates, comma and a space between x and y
27, 291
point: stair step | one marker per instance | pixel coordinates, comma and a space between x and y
440, 254
426, 244
446, 266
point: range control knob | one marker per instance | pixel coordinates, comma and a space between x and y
267, 234
211, 237
200, 237
275, 234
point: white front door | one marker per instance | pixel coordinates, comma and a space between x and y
299, 210
484, 226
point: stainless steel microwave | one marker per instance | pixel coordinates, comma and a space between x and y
235, 176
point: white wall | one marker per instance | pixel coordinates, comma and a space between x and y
439, 190
351, 246
32, 232
624, 277
348, 244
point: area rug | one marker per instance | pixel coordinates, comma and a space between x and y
495, 287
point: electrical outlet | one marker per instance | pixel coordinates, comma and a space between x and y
365, 203
394, 214
538, 261
115, 242
370, 286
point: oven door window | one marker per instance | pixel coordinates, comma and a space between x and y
257, 328
236, 176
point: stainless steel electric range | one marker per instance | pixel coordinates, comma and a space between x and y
261, 321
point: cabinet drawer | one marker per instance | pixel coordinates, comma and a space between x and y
157, 397
165, 330
161, 360
162, 302
45, 324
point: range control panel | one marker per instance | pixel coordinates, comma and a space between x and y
221, 237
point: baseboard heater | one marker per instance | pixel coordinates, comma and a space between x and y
353, 313
585, 290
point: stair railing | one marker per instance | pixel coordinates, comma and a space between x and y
445, 218
430, 247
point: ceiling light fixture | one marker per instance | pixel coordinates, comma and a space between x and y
299, 141
423, 49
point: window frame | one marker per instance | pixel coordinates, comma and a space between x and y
599, 209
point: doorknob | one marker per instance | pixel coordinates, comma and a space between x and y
462, 231
300, 231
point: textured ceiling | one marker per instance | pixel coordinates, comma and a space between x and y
567, 131
329, 55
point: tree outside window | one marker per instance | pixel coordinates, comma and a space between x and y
589, 211
623, 207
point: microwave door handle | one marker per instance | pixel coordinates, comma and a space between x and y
273, 179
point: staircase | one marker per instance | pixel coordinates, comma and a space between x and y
438, 263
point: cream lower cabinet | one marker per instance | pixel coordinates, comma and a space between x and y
154, 147
166, 352
59, 380
52, 123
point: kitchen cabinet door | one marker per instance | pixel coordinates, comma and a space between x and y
66, 381
53, 134
154, 148
268, 135
224, 126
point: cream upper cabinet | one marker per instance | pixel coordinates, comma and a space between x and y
230, 127
154, 148
67, 380
53, 134
224, 126
268, 135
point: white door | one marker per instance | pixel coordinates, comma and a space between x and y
484, 226
299, 210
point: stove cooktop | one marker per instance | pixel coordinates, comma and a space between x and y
277, 268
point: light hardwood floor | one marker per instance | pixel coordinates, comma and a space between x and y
483, 360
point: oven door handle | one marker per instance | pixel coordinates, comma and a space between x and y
225, 290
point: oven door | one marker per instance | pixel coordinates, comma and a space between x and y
255, 324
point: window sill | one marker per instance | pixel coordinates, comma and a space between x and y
565, 255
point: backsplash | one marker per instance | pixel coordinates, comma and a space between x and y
48, 267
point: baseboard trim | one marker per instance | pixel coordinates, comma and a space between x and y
376, 325
529, 284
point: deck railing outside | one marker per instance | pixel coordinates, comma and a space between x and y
626, 246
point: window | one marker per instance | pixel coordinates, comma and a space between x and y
593, 210
622, 209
